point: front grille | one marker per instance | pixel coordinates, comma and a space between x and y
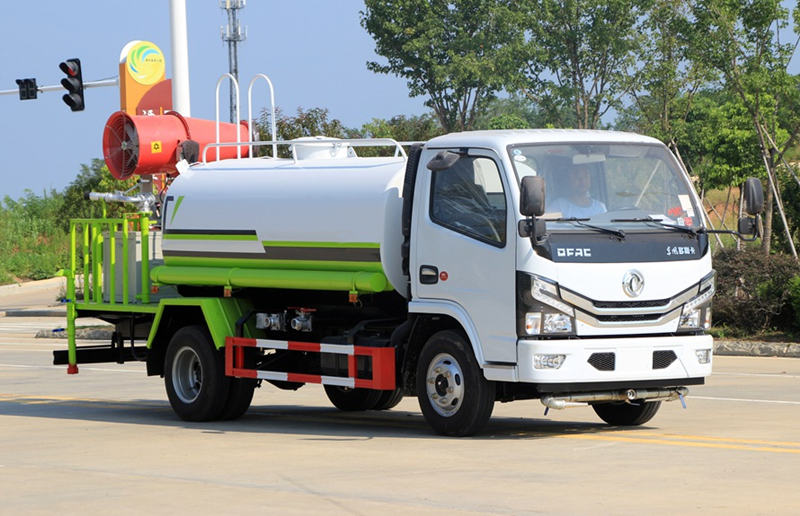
631, 304
603, 361
628, 318
663, 359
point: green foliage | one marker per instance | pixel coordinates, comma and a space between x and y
32, 240
577, 54
455, 53
305, 123
752, 293
794, 297
93, 177
403, 128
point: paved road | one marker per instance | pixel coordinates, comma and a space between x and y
106, 439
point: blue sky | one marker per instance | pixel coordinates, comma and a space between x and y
313, 50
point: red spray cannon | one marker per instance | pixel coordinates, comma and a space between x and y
153, 144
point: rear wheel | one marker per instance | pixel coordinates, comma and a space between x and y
350, 400
194, 376
627, 414
454, 396
388, 399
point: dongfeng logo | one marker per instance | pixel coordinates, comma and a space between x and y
633, 283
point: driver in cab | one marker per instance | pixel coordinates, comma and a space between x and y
578, 202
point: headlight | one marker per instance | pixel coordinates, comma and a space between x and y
696, 312
540, 309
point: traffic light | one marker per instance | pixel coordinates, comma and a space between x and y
27, 89
73, 83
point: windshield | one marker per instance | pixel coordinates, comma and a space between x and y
612, 185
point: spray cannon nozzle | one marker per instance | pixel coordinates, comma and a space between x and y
144, 201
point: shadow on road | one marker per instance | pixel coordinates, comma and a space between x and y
318, 423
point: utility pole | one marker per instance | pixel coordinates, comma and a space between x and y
232, 34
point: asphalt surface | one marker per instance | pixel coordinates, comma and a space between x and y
106, 439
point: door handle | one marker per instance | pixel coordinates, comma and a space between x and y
428, 275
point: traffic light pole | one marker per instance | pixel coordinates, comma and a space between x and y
58, 87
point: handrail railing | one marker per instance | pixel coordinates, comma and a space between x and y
92, 257
238, 117
354, 142
250, 112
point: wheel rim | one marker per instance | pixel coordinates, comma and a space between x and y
445, 384
187, 375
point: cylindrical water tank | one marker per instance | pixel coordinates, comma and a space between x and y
300, 223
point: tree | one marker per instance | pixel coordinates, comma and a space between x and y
668, 77
454, 52
94, 177
741, 40
403, 128
306, 122
519, 112
577, 54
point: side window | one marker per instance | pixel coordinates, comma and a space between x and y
469, 198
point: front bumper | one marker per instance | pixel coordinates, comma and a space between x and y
633, 361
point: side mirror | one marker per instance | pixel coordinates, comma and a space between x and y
753, 196
443, 160
748, 227
531, 196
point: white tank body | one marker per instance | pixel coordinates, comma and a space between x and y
280, 214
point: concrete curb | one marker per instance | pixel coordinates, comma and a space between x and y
36, 312
80, 333
750, 348
11, 288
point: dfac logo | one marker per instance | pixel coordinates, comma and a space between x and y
583, 252
633, 283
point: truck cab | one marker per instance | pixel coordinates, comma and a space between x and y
601, 298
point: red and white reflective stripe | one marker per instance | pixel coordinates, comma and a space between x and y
293, 345
382, 360
306, 378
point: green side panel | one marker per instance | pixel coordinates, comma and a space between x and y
150, 308
220, 314
258, 263
208, 236
348, 281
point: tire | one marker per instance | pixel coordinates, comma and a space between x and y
194, 376
352, 400
454, 396
240, 395
627, 414
388, 399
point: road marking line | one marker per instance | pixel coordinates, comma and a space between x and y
781, 402
723, 439
690, 444
771, 375
82, 368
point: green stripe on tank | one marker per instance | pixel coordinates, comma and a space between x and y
209, 236
346, 245
171, 258
175, 208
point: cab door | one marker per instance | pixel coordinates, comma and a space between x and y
463, 246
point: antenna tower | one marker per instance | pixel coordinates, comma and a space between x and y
232, 34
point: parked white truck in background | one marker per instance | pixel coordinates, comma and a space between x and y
445, 274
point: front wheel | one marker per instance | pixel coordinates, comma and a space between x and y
454, 396
194, 376
627, 414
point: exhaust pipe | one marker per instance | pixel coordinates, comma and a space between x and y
583, 399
